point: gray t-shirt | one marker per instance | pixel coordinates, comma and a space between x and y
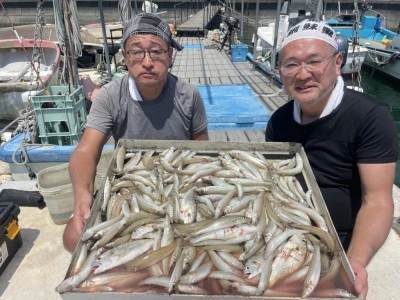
175, 115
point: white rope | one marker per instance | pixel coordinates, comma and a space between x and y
125, 11
385, 61
60, 17
58, 21
75, 34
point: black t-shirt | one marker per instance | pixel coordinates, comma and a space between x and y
359, 130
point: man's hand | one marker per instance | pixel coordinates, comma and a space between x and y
361, 281
82, 213
75, 226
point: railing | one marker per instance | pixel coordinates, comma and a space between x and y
210, 10
183, 11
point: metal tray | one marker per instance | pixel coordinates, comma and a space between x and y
271, 151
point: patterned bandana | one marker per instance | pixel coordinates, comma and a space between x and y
147, 23
308, 29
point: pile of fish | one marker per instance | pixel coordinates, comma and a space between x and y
231, 222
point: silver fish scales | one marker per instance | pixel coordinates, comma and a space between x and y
170, 185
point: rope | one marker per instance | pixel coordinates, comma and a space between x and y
16, 120
385, 61
24, 156
59, 25
67, 14
125, 11
75, 37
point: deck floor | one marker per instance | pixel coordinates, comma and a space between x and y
201, 63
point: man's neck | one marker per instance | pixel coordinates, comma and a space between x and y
150, 93
310, 113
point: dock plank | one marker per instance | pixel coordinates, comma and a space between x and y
255, 135
203, 64
217, 136
236, 136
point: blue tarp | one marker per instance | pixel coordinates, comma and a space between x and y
233, 106
195, 46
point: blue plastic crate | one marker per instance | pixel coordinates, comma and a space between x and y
233, 106
238, 53
61, 116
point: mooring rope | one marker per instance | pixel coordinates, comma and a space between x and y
125, 11
67, 14
385, 61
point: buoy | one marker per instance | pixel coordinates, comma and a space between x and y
172, 28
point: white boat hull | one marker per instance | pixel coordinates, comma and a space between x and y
15, 73
354, 61
384, 63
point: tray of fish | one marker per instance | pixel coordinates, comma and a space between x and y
225, 220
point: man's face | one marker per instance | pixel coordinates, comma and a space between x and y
314, 81
148, 72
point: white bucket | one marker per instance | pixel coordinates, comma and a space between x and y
55, 186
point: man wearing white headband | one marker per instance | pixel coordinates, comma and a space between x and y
350, 140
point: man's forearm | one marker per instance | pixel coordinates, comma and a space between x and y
82, 170
372, 227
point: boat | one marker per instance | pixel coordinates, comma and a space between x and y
293, 12
39, 232
18, 77
383, 45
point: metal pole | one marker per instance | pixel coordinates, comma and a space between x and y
135, 7
278, 9
233, 8
241, 22
105, 43
255, 35
204, 14
318, 14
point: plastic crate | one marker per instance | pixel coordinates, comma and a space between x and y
61, 116
10, 235
233, 106
239, 53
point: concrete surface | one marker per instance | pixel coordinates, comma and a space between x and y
41, 263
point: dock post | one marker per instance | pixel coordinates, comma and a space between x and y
273, 62
241, 22
256, 35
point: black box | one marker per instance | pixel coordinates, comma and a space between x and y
10, 235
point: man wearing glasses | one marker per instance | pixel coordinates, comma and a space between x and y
350, 140
149, 103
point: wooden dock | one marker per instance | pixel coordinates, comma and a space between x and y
195, 25
201, 63
206, 65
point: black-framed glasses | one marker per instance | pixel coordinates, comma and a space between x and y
140, 54
314, 66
